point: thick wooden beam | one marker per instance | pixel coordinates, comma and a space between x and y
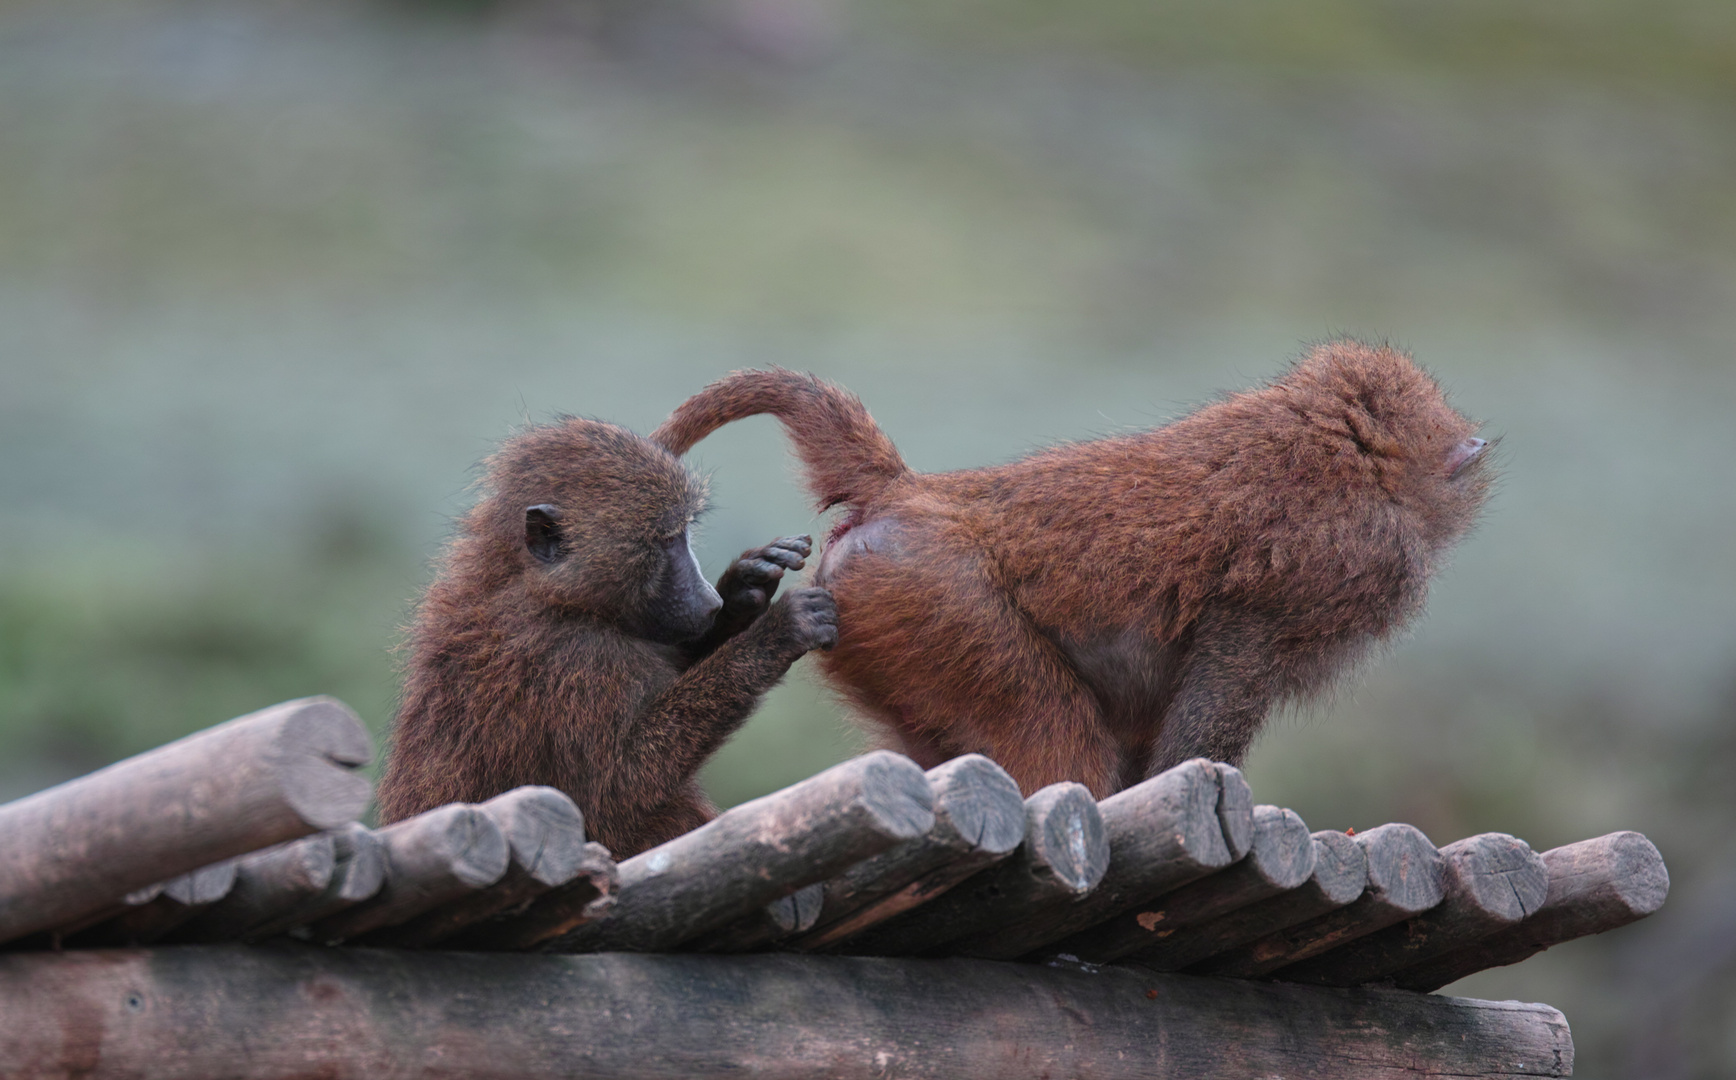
1404, 879
1490, 882
1594, 886
1280, 859
979, 819
1174, 828
1062, 858
755, 853
545, 842
432, 859
287, 1012
254, 781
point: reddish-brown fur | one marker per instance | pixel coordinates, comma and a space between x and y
521, 672
1100, 611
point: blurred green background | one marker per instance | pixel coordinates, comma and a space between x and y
274, 276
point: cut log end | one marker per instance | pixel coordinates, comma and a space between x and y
981, 803
896, 794
1067, 835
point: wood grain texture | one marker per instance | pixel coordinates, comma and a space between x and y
979, 819
254, 781
545, 842
1490, 882
1404, 879
1280, 858
283, 1011
757, 852
1174, 828
780, 919
1062, 858
1594, 886
432, 859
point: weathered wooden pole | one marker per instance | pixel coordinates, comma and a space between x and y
268, 884
151, 920
546, 848
1340, 875
1280, 858
432, 859
1174, 828
1594, 886
1489, 882
270, 776
1404, 879
979, 819
286, 1012
358, 874
1062, 858
760, 851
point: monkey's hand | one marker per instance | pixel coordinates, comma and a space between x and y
747, 586
801, 620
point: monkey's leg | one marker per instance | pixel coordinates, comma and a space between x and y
1232, 676
956, 667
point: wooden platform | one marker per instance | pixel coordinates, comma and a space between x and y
210, 909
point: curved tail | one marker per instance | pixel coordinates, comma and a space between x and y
848, 459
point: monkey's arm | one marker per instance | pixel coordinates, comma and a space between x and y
1232, 676
747, 588
655, 753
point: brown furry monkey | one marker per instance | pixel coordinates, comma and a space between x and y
568, 639
1101, 611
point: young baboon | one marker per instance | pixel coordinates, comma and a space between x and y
568, 639
1101, 611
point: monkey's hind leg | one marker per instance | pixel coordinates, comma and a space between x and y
957, 668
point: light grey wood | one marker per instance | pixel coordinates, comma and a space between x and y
589, 896
288, 1013
358, 873
1176, 827
268, 884
432, 859
1339, 876
1404, 879
780, 919
71, 851
545, 838
1280, 859
149, 918
1062, 858
1489, 882
760, 851
1594, 886
979, 819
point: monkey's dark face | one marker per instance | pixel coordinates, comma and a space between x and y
586, 518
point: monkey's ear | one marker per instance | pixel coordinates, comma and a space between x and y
542, 532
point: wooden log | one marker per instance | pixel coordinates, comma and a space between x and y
1489, 882
1176, 827
545, 840
760, 851
268, 884
1339, 876
148, 921
1062, 858
270, 776
979, 819
358, 873
1404, 879
589, 896
782, 918
432, 859
1280, 859
286, 1012
1594, 886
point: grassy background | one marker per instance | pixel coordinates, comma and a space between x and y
274, 277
